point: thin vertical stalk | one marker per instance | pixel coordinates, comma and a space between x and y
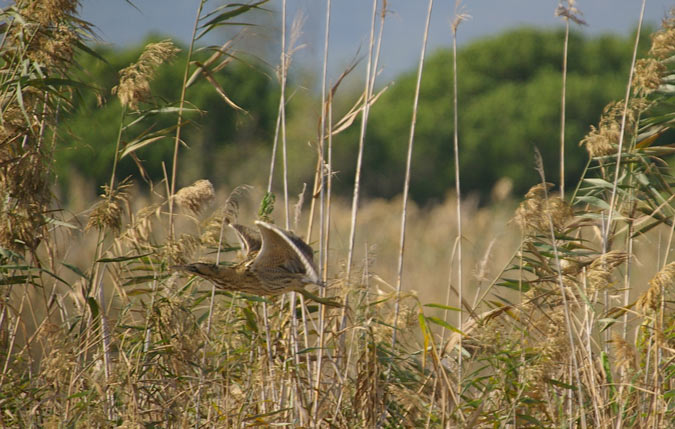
455, 118
323, 247
117, 150
282, 110
406, 183
282, 126
617, 172
562, 109
274, 154
176, 145
383, 15
362, 136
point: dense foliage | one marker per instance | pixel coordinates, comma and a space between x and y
509, 92
217, 135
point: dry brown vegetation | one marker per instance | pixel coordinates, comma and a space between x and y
565, 318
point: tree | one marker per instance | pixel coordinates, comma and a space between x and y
509, 101
215, 135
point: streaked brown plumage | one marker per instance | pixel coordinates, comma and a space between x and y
276, 261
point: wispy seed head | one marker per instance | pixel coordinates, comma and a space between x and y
134, 86
540, 210
604, 139
108, 212
647, 78
650, 300
624, 354
599, 274
196, 196
663, 41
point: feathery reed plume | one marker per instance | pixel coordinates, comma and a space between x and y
134, 86
599, 274
107, 213
663, 41
231, 210
648, 72
196, 196
624, 353
534, 212
650, 300
297, 208
48, 32
604, 139
38, 44
179, 251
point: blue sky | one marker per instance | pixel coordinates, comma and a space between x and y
121, 24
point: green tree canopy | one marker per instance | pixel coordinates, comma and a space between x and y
509, 102
217, 135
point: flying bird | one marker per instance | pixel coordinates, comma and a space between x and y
276, 261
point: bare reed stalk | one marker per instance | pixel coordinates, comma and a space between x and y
181, 104
562, 109
568, 12
117, 148
293, 349
619, 153
282, 109
323, 230
455, 117
408, 168
274, 154
383, 15
329, 186
362, 136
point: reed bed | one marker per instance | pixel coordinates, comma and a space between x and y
554, 310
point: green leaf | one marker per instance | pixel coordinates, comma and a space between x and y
139, 291
443, 307
143, 279
124, 258
56, 222
608, 322
138, 144
93, 306
240, 8
76, 270
16, 280
561, 384
593, 201
529, 419
250, 319
443, 323
515, 285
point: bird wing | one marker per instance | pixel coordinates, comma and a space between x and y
249, 239
284, 249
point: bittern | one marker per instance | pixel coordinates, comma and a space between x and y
276, 261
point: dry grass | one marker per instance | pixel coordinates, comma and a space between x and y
567, 317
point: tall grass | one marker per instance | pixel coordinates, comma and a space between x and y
565, 322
